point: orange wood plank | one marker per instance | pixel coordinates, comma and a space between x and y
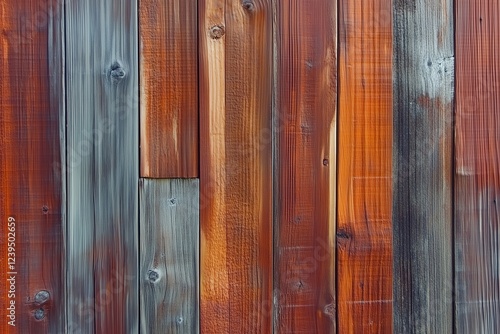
364, 234
477, 163
31, 183
235, 166
306, 165
169, 88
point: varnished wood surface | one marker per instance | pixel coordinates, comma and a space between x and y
306, 161
423, 172
235, 166
169, 88
31, 156
477, 166
102, 148
364, 229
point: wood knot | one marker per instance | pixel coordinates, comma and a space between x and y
217, 31
39, 314
42, 297
117, 72
248, 5
153, 276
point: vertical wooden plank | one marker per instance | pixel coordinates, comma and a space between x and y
477, 166
169, 249
31, 152
235, 166
169, 88
102, 135
364, 232
306, 166
422, 203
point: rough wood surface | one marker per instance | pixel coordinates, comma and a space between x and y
169, 248
364, 231
235, 166
306, 166
169, 88
31, 148
422, 203
102, 166
477, 166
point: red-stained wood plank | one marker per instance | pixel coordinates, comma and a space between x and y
364, 232
31, 156
235, 166
477, 166
306, 161
169, 88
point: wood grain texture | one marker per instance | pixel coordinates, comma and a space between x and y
102, 138
235, 166
31, 150
169, 248
364, 231
477, 166
423, 147
169, 88
306, 166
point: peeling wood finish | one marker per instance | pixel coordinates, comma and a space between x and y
169, 88
31, 148
477, 167
235, 166
422, 158
364, 231
169, 248
306, 166
102, 166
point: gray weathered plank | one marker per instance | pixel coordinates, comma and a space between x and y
102, 166
422, 158
169, 248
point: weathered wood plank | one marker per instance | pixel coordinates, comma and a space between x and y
422, 203
235, 166
102, 138
169, 248
306, 166
31, 153
169, 88
477, 166
364, 231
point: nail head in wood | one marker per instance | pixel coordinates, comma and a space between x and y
179, 320
217, 31
45, 209
248, 5
42, 296
39, 314
153, 276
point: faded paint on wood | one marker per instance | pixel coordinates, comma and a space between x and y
422, 203
477, 167
306, 166
169, 88
169, 248
31, 154
364, 231
235, 166
102, 166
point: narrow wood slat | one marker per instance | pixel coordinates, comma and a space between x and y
102, 138
422, 203
306, 165
169, 88
169, 247
235, 166
31, 156
477, 167
364, 231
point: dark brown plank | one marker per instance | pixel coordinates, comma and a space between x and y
422, 203
306, 165
169, 88
31, 156
477, 169
236, 166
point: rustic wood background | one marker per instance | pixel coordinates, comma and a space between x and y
250, 166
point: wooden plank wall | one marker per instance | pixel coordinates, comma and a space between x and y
477, 167
102, 148
422, 159
304, 281
32, 203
